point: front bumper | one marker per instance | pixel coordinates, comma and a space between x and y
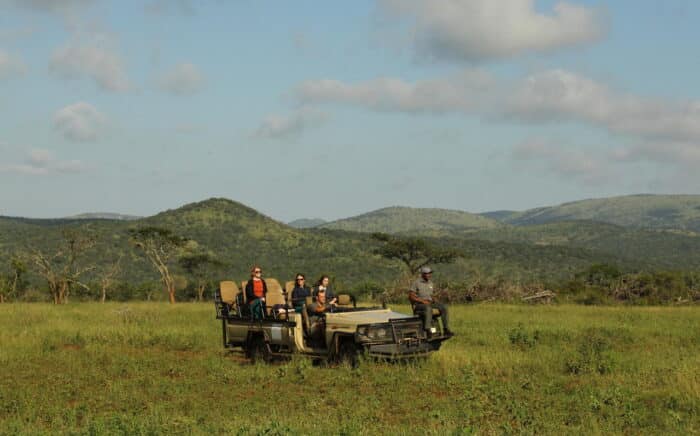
404, 349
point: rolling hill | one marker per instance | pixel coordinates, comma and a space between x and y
306, 223
415, 221
645, 211
240, 236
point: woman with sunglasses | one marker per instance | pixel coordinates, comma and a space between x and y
300, 292
255, 291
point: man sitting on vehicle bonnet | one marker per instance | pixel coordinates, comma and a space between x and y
421, 296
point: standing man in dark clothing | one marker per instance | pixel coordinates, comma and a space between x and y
421, 296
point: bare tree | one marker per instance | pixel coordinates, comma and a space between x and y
160, 246
107, 277
62, 269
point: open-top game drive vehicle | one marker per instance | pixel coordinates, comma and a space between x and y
340, 335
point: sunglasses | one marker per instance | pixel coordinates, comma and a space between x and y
301, 279
257, 271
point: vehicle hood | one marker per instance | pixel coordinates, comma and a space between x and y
364, 317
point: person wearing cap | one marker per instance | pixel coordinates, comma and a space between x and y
421, 297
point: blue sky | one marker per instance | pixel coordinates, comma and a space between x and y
332, 109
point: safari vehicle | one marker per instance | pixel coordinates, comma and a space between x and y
347, 332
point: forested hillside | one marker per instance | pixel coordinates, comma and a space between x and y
415, 221
238, 236
679, 212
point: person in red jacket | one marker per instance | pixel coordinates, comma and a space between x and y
255, 292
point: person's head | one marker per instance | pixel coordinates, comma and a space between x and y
256, 272
323, 281
426, 272
321, 296
300, 280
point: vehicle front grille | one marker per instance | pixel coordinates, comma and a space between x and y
410, 330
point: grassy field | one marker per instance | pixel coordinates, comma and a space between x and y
155, 369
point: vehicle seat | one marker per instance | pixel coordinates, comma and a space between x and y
346, 301
306, 321
229, 296
275, 299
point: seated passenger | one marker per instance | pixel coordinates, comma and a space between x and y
317, 311
300, 292
323, 283
255, 291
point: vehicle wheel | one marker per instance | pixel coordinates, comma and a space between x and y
349, 353
257, 350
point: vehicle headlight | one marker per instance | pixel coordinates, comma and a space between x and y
374, 333
379, 333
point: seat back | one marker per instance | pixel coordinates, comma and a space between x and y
346, 300
229, 292
243, 284
305, 320
274, 295
289, 287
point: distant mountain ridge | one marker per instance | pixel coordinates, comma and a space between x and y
306, 223
643, 211
418, 221
103, 216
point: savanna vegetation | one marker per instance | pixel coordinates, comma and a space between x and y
181, 254
154, 368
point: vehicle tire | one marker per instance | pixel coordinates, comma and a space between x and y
349, 353
257, 349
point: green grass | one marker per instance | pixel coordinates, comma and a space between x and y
155, 369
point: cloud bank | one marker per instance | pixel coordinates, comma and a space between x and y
292, 124
479, 30
93, 61
79, 122
182, 79
40, 162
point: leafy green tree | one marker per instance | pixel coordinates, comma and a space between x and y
160, 246
414, 253
200, 267
14, 281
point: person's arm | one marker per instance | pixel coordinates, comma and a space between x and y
330, 295
414, 299
413, 296
249, 294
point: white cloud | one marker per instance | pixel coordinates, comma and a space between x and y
40, 162
463, 92
11, 66
668, 130
476, 30
182, 79
683, 154
561, 95
80, 122
562, 160
77, 60
292, 124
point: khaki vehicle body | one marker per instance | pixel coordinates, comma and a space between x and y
344, 333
